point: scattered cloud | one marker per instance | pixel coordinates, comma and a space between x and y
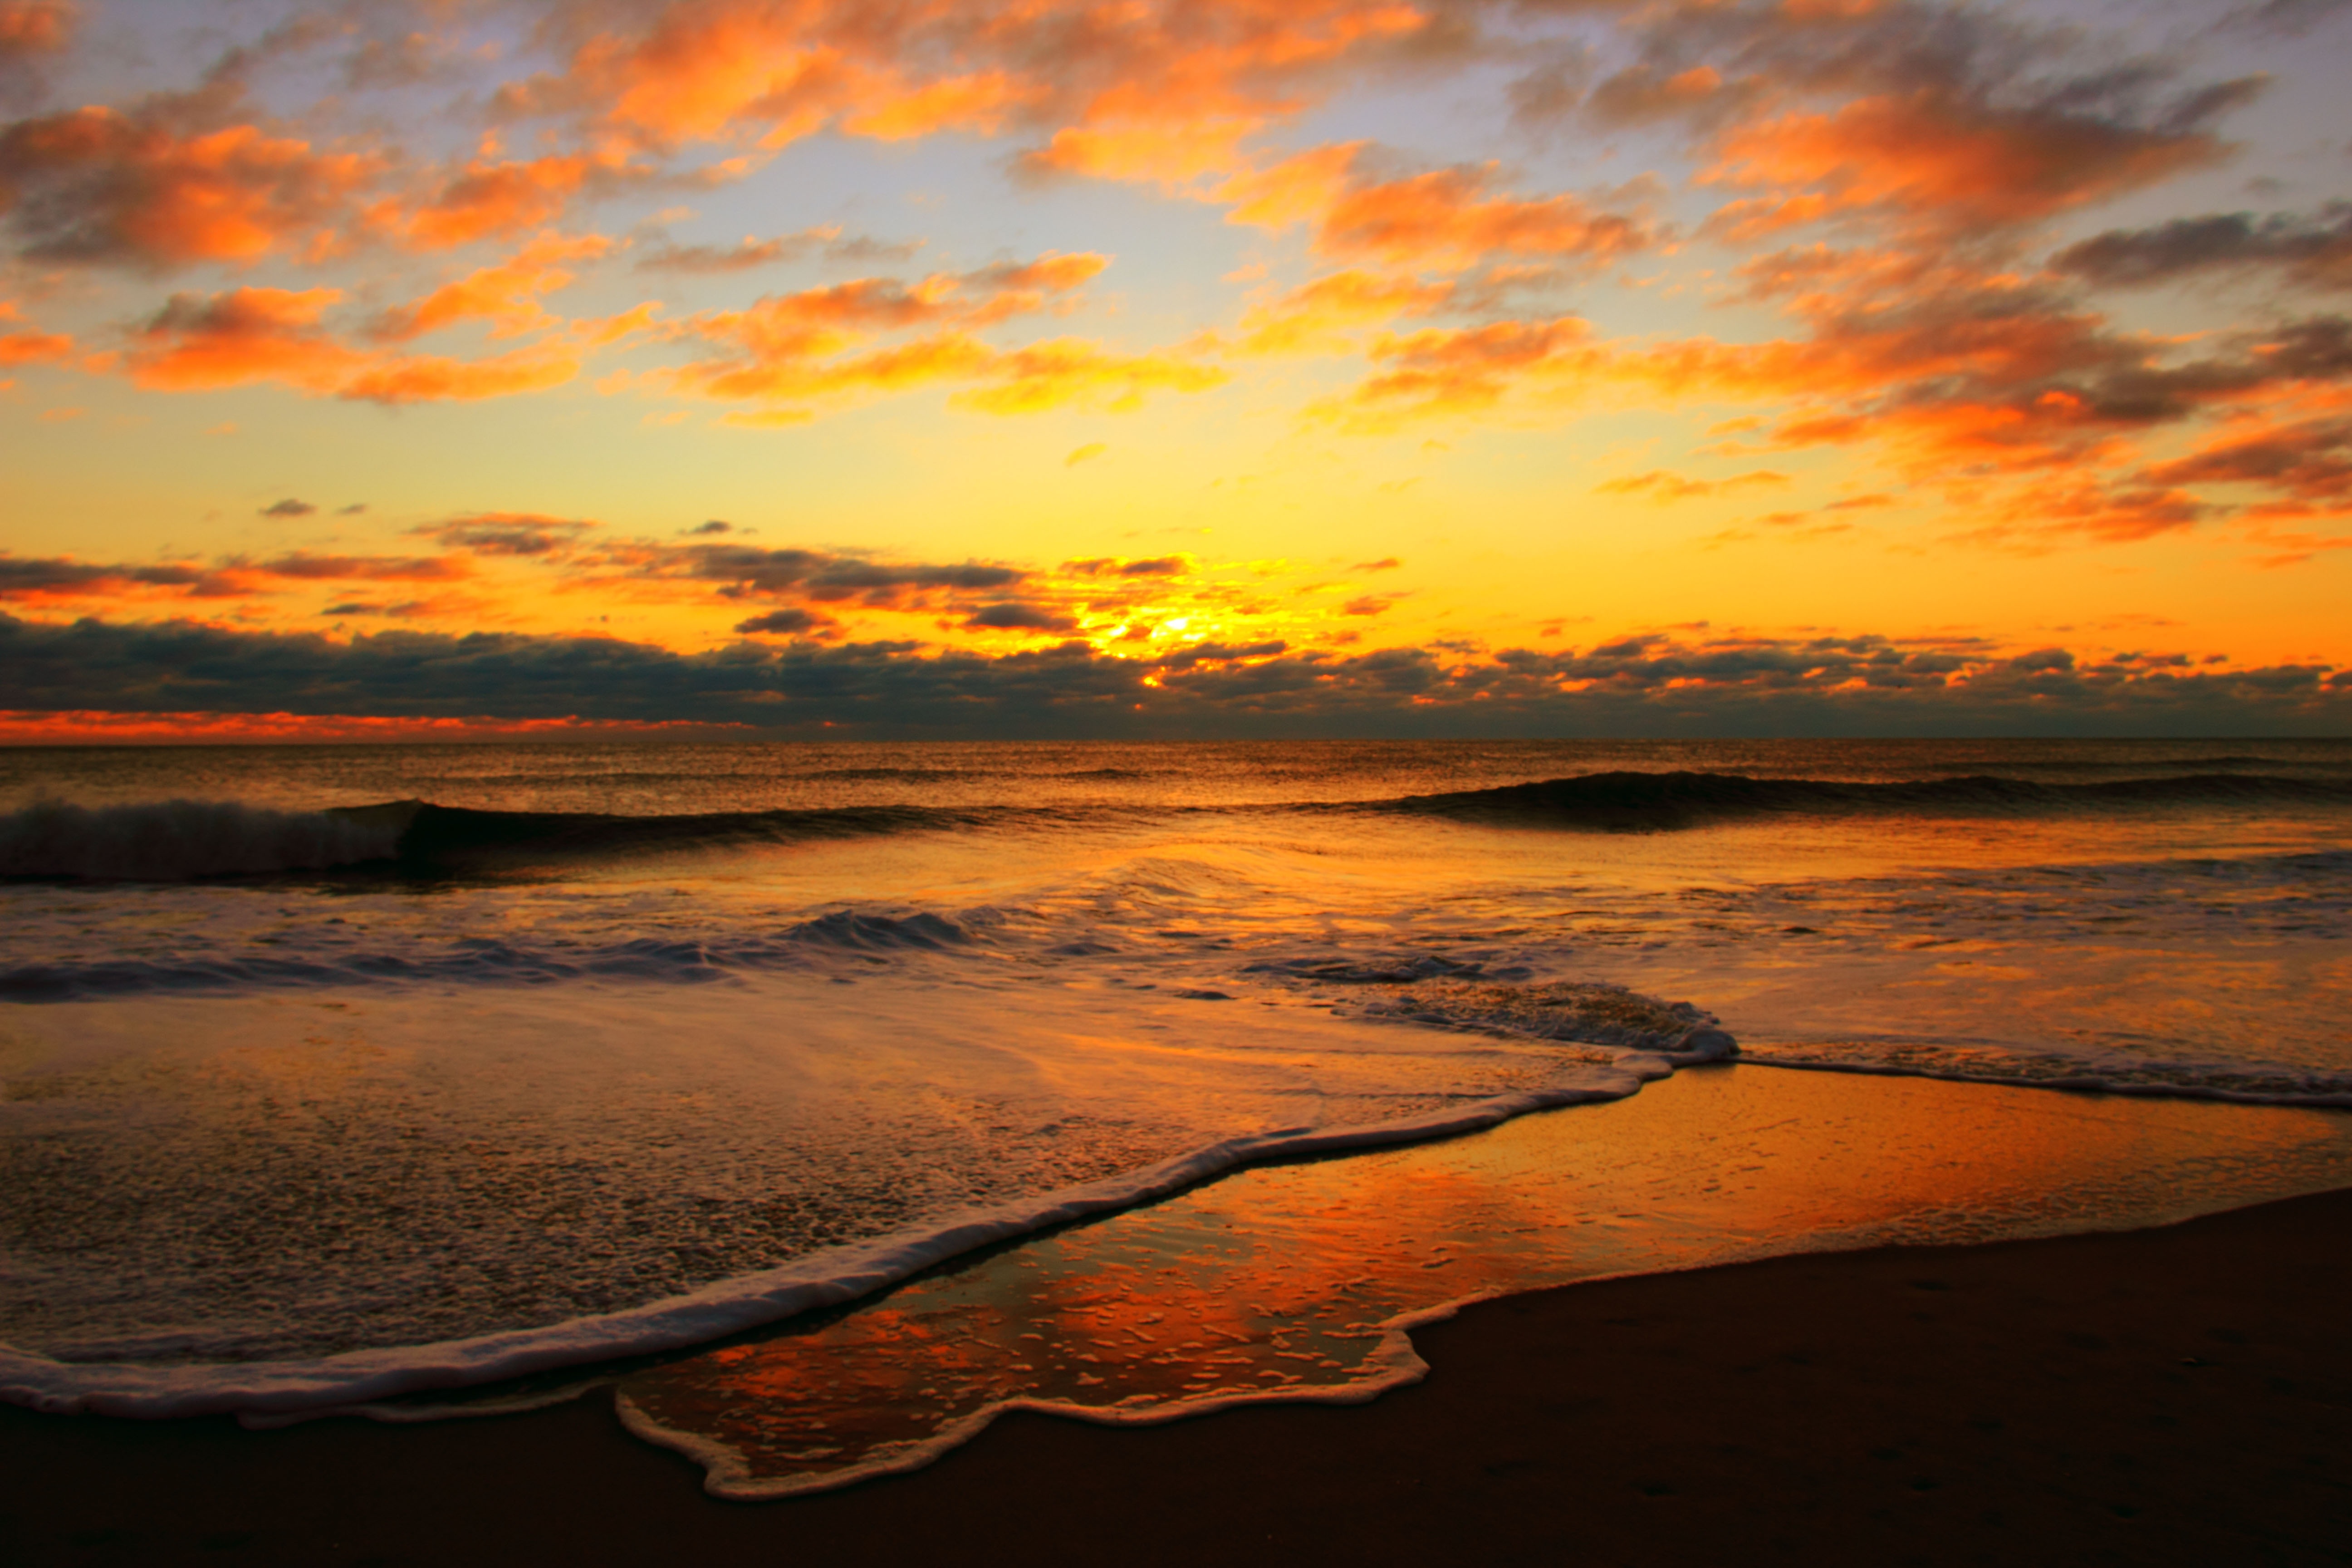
507, 534
2315, 251
751, 252
175, 181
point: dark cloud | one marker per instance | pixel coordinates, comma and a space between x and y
32, 29
2315, 250
793, 622
2000, 374
290, 507
303, 566
21, 578
1114, 567
1220, 652
32, 32
1652, 686
1012, 617
2283, 16
228, 577
1962, 118
2311, 462
507, 534
714, 526
394, 59
741, 256
744, 572
859, 248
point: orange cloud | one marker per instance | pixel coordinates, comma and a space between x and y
32, 348
1944, 160
979, 103
94, 186
1661, 485
1068, 370
1642, 93
2117, 512
489, 198
434, 379
1440, 372
796, 348
249, 335
1298, 190
1161, 90
506, 295
1174, 152
1444, 218
1311, 319
33, 26
241, 336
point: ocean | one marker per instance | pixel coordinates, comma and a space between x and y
824, 1099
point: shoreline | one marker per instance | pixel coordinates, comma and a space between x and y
1293, 1280
2180, 1394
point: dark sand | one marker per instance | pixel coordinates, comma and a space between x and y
2180, 1395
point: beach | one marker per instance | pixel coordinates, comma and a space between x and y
686, 1151
2180, 1394
1208, 781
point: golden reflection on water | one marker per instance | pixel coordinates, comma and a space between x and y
1277, 1281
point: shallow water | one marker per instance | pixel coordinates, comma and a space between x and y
417, 1099
1298, 1280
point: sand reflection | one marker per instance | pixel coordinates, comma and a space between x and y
1291, 1281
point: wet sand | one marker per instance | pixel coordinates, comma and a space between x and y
2181, 1394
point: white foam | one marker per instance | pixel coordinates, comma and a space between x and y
349, 1382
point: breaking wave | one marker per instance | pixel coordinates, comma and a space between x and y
172, 840
488, 960
1641, 800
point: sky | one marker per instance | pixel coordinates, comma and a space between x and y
1174, 368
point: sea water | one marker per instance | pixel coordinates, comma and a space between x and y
327, 1075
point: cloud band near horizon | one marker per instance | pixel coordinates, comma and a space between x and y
1660, 687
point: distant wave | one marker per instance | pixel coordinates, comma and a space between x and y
176, 841
456, 838
172, 840
1636, 800
909, 776
488, 960
2144, 765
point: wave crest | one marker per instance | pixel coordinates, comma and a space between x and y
1642, 800
172, 840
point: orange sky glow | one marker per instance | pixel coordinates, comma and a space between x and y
406, 369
